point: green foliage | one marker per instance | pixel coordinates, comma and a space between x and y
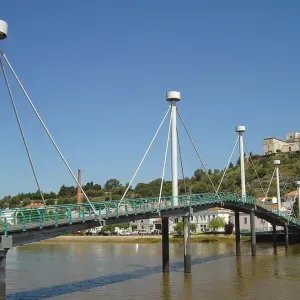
179, 228
193, 227
111, 228
198, 183
217, 222
228, 228
111, 183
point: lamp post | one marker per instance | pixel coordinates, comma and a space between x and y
277, 164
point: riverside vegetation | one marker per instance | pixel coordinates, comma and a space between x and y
198, 183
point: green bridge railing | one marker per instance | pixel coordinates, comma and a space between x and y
23, 219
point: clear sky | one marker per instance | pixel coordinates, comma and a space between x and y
98, 72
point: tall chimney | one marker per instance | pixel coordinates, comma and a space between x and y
79, 195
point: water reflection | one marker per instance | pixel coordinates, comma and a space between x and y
70, 271
165, 286
188, 287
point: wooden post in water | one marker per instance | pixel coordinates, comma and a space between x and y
187, 244
79, 195
237, 233
274, 239
286, 235
253, 233
165, 244
3, 274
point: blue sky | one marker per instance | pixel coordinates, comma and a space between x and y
98, 72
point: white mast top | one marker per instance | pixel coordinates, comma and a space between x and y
173, 96
3, 29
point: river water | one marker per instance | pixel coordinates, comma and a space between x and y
129, 271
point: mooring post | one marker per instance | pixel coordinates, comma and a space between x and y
274, 239
286, 235
187, 244
253, 233
3, 274
165, 245
237, 233
5, 244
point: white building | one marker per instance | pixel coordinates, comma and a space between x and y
9, 215
274, 145
201, 219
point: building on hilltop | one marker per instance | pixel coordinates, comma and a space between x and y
275, 145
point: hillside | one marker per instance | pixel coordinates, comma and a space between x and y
198, 183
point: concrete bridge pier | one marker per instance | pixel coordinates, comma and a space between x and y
165, 245
274, 239
3, 274
187, 244
286, 235
253, 233
237, 233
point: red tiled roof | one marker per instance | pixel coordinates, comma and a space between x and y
292, 193
34, 205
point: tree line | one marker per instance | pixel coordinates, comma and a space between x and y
201, 181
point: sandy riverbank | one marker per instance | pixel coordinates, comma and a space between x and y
140, 239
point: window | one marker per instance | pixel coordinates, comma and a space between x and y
208, 217
192, 218
176, 220
262, 221
213, 217
290, 148
245, 220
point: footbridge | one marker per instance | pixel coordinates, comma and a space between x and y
28, 225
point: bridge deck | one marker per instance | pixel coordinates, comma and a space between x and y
22, 220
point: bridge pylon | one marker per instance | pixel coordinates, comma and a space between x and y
240, 130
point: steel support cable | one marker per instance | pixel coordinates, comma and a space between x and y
291, 206
49, 135
181, 162
21, 131
165, 160
266, 195
141, 162
259, 180
194, 146
227, 166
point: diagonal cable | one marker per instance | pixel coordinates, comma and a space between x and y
259, 179
266, 195
21, 131
141, 162
181, 162
49, 135
291, 206
165, 160
227, 166
196, 150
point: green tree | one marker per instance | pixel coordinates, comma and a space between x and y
228, 228
193, 227
217, 222
111, 183
199, 174
179, 228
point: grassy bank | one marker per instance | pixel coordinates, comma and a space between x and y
143, 239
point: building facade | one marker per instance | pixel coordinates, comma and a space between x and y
200, 219
274, 145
